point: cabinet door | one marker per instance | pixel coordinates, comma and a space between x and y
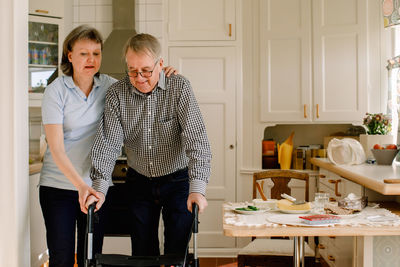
44, 39
51, 8
285, 60
201, 20
340, 60
211, 72
38, 244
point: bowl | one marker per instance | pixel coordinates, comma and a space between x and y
265, 204
384, 156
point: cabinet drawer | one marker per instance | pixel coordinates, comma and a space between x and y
334, 182
50, 8
331, 192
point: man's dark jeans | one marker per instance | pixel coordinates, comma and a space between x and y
146, 199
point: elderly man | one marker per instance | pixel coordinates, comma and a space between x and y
158, 121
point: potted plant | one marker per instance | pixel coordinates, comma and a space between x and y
378, 127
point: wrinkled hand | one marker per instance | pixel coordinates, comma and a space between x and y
99, 198
84, 192
170, 70
199, 199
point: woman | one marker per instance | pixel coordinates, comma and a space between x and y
71, 109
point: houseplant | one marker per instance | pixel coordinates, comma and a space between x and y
378, 127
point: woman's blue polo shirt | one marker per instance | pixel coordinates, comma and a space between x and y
64, 103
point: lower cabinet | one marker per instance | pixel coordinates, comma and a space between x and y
336, 251
39, 254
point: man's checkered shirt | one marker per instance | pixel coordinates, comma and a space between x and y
162, 132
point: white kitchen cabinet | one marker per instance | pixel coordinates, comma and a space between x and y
202, 43
211, 72
50, 8
38, 244
44, 42
337, 251
201, 20
313, 60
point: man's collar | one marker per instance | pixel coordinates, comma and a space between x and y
161, 83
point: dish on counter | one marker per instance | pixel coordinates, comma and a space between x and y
287, 206
294, 211
250, 210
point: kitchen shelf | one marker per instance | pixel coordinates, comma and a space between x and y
43, 43
41, 66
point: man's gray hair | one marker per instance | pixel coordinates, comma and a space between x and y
144, 43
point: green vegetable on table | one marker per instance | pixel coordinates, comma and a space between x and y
248, 208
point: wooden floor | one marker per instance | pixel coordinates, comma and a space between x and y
231, 262
217, 262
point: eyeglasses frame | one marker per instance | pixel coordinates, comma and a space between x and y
141, 72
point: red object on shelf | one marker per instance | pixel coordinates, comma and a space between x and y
268, 148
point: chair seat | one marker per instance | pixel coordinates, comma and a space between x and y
277, 247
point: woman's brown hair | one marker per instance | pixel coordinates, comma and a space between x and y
82, 32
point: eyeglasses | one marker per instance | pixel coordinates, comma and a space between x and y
144, 74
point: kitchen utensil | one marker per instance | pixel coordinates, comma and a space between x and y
292, 199
384, 156
320, 200
285, 153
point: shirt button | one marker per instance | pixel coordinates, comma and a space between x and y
149, 113
149, 147
151, 163
149, 130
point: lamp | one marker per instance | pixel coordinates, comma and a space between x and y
391, 15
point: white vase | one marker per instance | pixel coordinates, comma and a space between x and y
369, 140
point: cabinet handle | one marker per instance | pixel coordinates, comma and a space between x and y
336, 182
317, 111
42, 11
305, 110
230, 29
332, 199
322, 176
321, 246
332, 237
331, 258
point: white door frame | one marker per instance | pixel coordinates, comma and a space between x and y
14, 182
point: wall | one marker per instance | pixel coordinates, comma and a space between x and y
14, 206
98, 13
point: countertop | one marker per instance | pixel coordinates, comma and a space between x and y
369, 175
35, 168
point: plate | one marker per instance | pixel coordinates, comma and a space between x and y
348, 216
250, 212
294, 211
292, 219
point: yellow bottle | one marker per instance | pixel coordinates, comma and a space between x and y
285, 153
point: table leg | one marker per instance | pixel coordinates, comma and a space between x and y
298, 253
301, 243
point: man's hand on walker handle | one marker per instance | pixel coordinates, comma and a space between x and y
199, 199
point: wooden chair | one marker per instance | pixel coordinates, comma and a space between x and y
275, 252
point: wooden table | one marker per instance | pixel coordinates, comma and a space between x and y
299, 232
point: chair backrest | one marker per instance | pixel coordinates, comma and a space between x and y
280, 179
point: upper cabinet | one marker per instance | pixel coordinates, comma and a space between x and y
50, 8
44, 55
188, 22
313, 60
